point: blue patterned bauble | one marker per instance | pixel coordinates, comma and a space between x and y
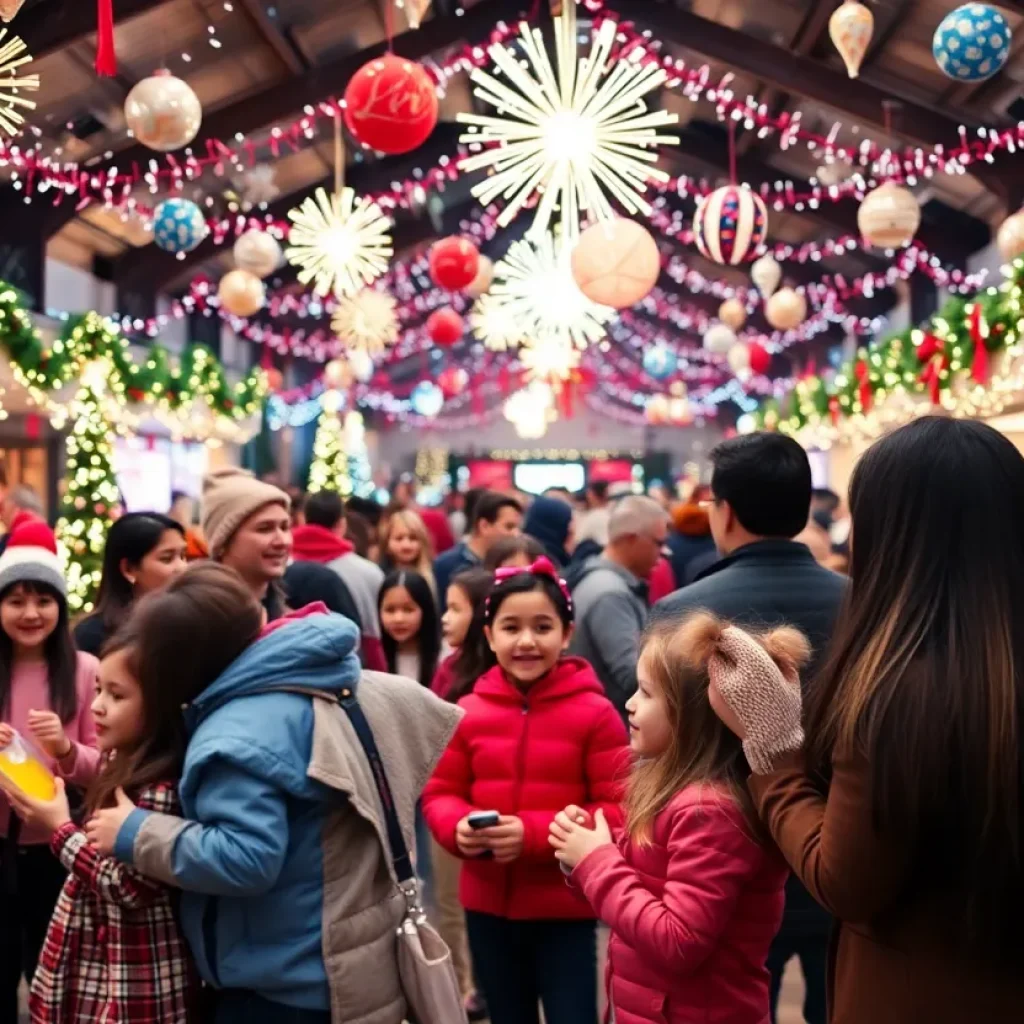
972, 43
178, 225
660, 362
427, 399
730, 225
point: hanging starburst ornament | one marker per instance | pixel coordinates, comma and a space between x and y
493, 324
14, 55
536, 289
549, 360
367, 321
340, 242
575, 139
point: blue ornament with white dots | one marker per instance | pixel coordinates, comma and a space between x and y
972, 43
660, 362
178, 225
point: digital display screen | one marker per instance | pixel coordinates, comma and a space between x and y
495, 476
537, 477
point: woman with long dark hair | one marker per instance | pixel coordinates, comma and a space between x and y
144, 552
903, 814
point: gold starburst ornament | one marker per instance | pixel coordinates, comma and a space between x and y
493, 324
14, 55
367, 321
575, 138
339, 242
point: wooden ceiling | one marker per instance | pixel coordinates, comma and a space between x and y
257, 63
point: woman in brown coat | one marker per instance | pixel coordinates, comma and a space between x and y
903, 812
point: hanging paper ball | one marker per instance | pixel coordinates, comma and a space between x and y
889, 216
258, 252
759, 357
361, 364
454, 263
391, 105
738, 359
657, 410
766, 274
427, 399
1010, 238
972, 43
9, 8
732, 313
660, 362
338, 374
275, 378
163, 112
178, 225
719, 339
453, 381
730, 225
786, 310
445, 327
616, 263
850, 28
241, 293
483, 280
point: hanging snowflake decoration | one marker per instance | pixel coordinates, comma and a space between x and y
14, 55
573, 139
493, 324
535, 288
341, 242
367, 321
259, 186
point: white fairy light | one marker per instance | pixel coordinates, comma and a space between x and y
572, 138
367, 321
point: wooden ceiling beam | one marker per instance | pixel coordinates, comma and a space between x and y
275, 37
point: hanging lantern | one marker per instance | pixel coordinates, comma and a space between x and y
391, 105
163, 112
972, 43
616, 263
851, 27
1010, 238
445, 327
338, 375
258, 252
889, 216
178, 225
719, 339
657, 410
767, 275
759, 357
241, 293
484, 277
738, 359
730, 225
786, 310
660, 362
426, 399
454, 263
452, 381
732, 313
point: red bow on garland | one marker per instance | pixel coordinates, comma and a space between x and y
931, 375
979, 334
864, 392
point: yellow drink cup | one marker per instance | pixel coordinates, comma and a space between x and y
23, 768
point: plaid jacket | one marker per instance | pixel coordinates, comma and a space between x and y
114, 953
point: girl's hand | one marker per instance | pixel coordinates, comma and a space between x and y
578, 816
50, 814
469, 840
6, 734
505, 840
48, 730
573, 842
103, 827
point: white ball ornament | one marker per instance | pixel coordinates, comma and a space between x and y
889, 216
163, 112
732, 313
258, 252
767, 275
241, 293
616, 263
719, 339
786, 310
738, 358
362, 365
338, 374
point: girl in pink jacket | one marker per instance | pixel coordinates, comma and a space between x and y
693, 890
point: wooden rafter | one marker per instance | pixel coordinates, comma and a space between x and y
289, 54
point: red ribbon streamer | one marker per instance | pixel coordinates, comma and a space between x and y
930, 346
931, 374
106, 54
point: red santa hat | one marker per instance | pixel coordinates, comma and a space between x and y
31, 556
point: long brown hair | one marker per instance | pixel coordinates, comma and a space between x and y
702, 750
177, 642
925, 677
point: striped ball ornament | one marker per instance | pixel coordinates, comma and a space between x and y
730, 225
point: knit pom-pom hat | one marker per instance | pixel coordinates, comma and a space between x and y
31, 557
230, 496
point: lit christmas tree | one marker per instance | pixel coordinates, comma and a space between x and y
329, 470
359, 471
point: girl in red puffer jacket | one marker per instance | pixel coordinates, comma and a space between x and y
538, 733
693, 892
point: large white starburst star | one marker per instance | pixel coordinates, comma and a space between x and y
574, 138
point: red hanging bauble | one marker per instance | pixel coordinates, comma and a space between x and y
445, 327
452, 381
760, 357
454, 263
391, 105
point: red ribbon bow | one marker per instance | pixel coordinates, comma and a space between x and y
543, 566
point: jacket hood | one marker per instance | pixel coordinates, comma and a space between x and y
570, 676
548, 521
318, 544
313, 650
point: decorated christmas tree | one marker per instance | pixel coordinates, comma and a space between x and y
359, 470
329, 470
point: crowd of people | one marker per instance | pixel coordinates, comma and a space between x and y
731, 731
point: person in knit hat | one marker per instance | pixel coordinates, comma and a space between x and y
247, 526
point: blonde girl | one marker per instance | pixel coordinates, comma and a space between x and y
405, 544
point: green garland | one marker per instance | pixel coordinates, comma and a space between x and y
952, 350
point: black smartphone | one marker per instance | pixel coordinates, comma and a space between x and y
483, 819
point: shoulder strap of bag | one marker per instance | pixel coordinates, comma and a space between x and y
350, 705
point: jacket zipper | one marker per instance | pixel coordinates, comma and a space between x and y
520, 772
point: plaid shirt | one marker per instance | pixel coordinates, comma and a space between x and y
114, 953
